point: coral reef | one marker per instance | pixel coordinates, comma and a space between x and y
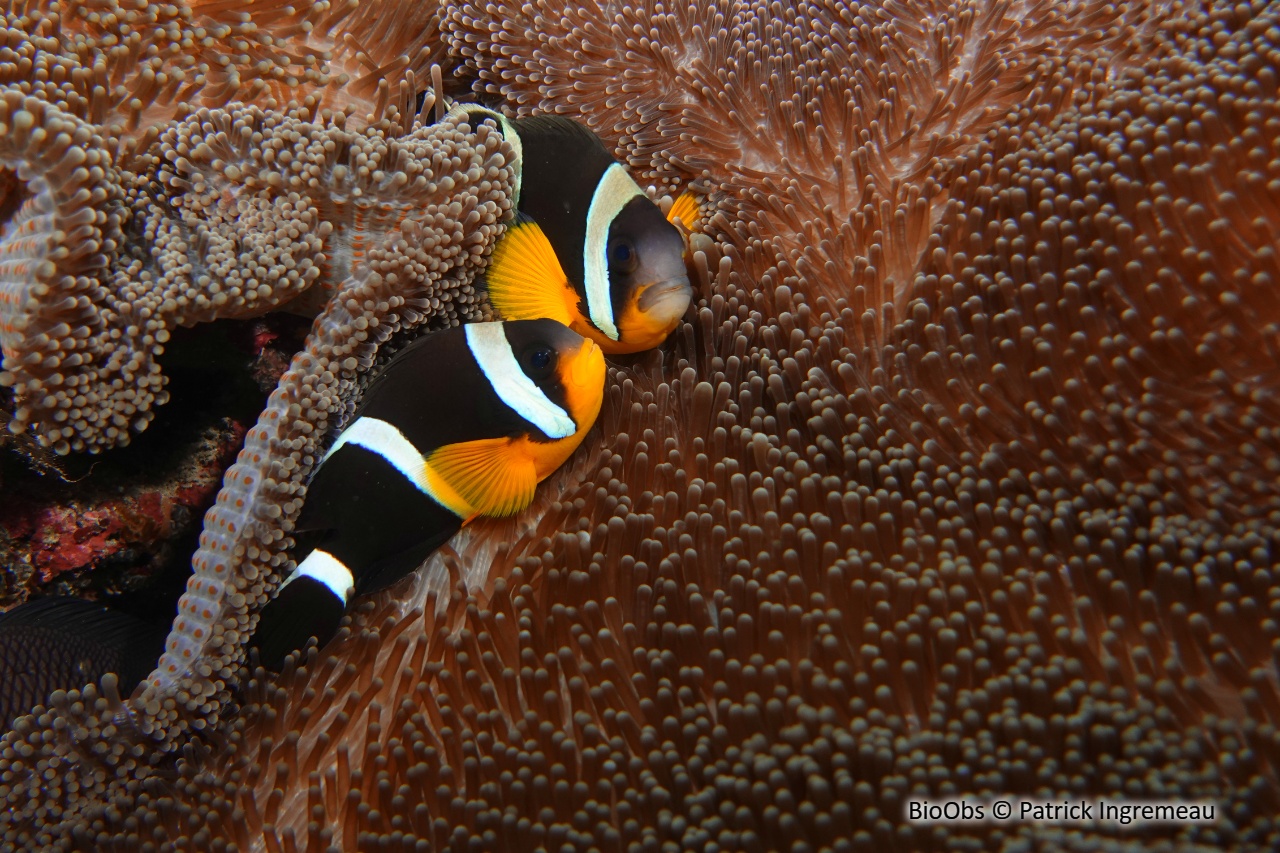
959, 481
72, 536
126, 522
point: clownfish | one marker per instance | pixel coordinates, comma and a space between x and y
587, 247
461, 423
50, 644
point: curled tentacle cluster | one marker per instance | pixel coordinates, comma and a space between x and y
144, 197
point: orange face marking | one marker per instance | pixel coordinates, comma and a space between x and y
641, 330
582, 375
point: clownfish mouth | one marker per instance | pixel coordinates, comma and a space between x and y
588, 366
665, 302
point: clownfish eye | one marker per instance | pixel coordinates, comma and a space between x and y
622, 256
539, 362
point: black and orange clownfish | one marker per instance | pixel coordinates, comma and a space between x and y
587, 247
459, 424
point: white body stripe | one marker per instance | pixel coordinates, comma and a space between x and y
388, 442
612, 194
329, 570
488, 343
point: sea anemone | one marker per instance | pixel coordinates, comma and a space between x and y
959, 481
137, 204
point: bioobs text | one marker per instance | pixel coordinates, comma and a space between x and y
958, 810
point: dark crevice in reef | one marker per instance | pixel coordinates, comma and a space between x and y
121, 526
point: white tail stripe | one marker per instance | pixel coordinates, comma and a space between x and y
488, 343
388, 442
328, 570
612, 194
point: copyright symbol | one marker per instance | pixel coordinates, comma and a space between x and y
1001, 809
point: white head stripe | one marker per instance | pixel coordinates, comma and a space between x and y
612, 194
488, 343
388, 442
329, 570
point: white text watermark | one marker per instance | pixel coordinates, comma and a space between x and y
1091, 811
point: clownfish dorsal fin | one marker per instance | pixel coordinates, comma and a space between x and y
488, 476
525, 279
563, 134
60, 643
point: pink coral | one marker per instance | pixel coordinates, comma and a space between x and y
53, 531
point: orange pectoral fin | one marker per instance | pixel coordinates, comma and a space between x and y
489, 476
525, 279
687, 210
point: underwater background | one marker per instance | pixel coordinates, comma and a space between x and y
959, 480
